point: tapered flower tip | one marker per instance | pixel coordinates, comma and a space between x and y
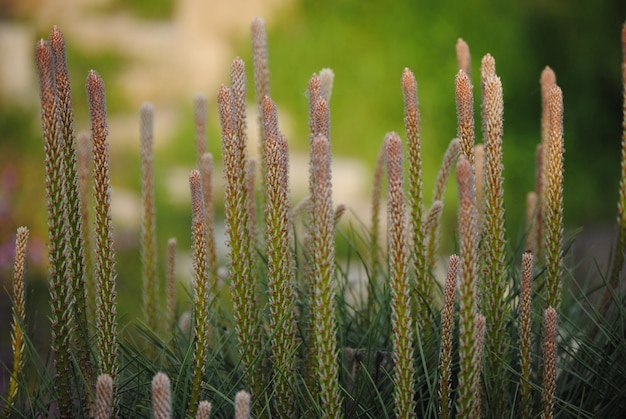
487, 66
464, 177
242, 405
200, 106
225, 109
44, 67
315, 87
238, 67
393, 144
409, 89
96, 97
146, 109
463, 55
550, 320
43, 51
204, 410
57, 40
548, 78
258, 24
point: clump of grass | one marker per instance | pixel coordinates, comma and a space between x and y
308, 350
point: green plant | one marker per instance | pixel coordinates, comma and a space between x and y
315, 347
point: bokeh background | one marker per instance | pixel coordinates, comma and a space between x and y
166, 51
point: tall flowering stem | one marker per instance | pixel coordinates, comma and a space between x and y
106, 298
243, 287
261, 75
60, 292
75, 247
447, 324
547, 81
402, 324
200, 122
421, 285
322, 263
201, 302
148, 219
280, 263
525, 322
18, 321
493, 246
549, 362
375, 253
468, 288
553, 201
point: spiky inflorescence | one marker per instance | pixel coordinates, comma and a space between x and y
549, 361
620, 248
200, 122
106, 298
493, 246
103, 407
468, 287
161, 397
170, 286
463, 57
74, 255
447, 324
401, 320
421, 287
19, 314
83, 149
314, 92
280, 264
60, 293
476, 385
465, 114
321, 117
206, 172
148, 216
242, 405
201, 300
524, 334
261, 75
243, 286
322, 263
552, 202
204, 410
375, 250
547, 81
449, 159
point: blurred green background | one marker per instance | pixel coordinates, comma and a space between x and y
165, 51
